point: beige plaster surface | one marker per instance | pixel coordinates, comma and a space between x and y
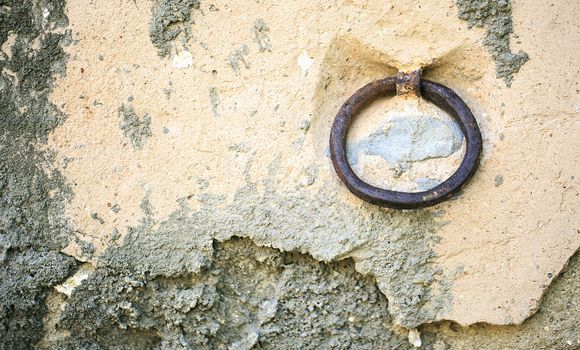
506, 238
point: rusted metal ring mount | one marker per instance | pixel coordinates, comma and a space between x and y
441, 96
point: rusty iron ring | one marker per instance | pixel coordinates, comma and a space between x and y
442, 97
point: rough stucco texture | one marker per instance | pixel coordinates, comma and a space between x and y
165, 180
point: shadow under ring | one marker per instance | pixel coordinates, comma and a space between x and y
442, 97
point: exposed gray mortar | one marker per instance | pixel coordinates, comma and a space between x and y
260, 32
170, 20
245, 297
214, 99
31, 220
32, 227
237, 56
496, 17
136, 129
26, 277
289, 301
396, 246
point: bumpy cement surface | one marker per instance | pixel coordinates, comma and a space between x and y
496, 17
244, 297
124, 232
172, 23
32, 195
136, 129
254, 297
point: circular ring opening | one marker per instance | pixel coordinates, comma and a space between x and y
442, 97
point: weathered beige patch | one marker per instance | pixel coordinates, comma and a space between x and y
515, 225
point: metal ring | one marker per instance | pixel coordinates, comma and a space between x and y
441, 96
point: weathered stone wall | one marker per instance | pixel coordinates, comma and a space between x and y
165, 179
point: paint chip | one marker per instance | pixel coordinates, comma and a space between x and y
71, 283
305, 62
415, 338
7, 45
183, 60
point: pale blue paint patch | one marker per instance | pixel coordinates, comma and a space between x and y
409, 139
